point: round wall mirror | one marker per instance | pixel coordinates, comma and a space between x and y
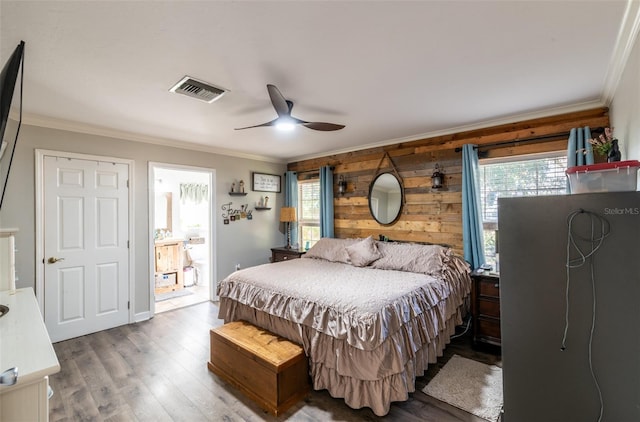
385, 198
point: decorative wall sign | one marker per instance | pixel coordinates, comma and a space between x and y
231, 214
261, 182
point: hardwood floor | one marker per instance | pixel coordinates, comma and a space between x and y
157, 371
199, 294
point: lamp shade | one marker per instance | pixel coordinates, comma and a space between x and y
287, 214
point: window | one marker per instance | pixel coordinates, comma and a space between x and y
308, 212
520, 176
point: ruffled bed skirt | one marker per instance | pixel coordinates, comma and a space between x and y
364, 378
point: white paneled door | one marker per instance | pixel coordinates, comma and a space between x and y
86, 225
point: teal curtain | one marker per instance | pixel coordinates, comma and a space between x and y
291, 200
579, 150
326, 202
472, 232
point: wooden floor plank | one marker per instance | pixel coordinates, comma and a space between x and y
143, 403
157, 371
125, 415
80, 405
100, 384
113, 362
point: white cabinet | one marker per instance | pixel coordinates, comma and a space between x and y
26, 403
25, 344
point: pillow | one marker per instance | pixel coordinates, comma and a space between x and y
411, 257
331, 249
363, 253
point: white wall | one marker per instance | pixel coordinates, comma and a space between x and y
625, 108
245, 242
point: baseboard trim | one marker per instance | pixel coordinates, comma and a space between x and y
142, 316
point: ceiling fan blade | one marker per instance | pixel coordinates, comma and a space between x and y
295, 120
325, 127
283, 108
279, 103
271, 123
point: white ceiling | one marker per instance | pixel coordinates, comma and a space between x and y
388, 70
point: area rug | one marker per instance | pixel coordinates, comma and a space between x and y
469, 385
171, 295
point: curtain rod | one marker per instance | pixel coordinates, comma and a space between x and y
517, 141
312, 171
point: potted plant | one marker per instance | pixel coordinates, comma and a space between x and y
607, 145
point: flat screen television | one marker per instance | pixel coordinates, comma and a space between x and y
9, 129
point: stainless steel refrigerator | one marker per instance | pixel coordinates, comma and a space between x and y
542, 382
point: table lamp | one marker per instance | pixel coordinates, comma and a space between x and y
288, 216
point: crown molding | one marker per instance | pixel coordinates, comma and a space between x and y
627, 36
72, 126
475, 126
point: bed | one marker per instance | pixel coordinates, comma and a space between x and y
371, 316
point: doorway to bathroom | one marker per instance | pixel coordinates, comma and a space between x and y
182, 235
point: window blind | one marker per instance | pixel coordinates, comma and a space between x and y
543, 176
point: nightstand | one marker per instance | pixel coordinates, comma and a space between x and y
485, 308
284, 254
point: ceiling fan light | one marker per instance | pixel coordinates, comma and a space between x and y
285, 125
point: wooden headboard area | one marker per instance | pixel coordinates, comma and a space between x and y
383, 238
434, 216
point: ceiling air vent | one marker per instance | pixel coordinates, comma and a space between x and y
200, 90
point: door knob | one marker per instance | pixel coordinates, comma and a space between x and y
53, 260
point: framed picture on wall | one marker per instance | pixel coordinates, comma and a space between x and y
262, 182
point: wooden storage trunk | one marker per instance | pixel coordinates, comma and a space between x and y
267, 368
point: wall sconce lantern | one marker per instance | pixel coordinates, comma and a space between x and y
342, 185
437, 178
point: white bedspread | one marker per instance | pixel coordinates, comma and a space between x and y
360, 305
367, 332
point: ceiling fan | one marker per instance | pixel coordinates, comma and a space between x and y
285, 120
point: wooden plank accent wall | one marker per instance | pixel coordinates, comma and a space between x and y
429, 216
